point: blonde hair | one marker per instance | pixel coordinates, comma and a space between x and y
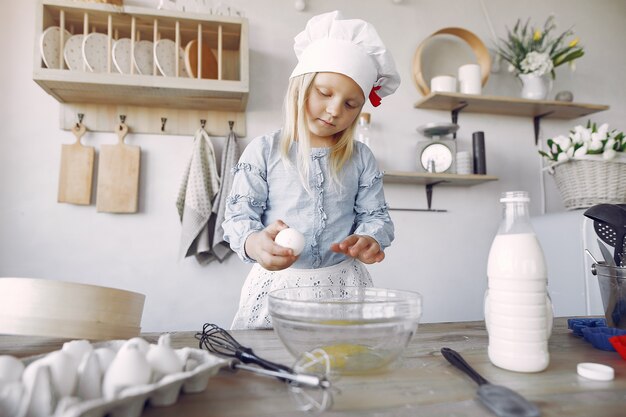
295, 130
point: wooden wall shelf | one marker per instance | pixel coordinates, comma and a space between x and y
429, 180
508, 106
426, 178
225, 93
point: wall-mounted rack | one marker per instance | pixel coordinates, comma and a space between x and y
153, 120
510, 106
148, 97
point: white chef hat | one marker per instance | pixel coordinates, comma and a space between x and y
351, 47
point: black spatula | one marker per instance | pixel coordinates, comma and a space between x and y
502, 401
609, 222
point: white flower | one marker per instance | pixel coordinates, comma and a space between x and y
563, 141
585, 134
582, 141
538, 63
582, 134
580, 151
608, 154
595, 145
576, 137
609, 143
511, 68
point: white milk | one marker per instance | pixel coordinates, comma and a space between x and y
517, 257
517, 298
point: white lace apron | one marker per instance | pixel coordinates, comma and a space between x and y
253, 312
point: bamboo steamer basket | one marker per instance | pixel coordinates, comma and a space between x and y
42, 307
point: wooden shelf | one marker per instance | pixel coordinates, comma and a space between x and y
426, 178
508, 106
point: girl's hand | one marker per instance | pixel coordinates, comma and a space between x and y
261, 247
364, 248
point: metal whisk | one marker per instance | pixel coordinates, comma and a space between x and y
217, 340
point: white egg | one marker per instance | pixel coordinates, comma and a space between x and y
11, 369
89, 377
63, 370
77, 349
140, 343
41, 398
292, 239
105, 357
163, 359
11, 395
129, 368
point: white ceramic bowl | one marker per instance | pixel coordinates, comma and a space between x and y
360, 329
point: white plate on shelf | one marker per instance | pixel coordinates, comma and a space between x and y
121, 55
95, 52
73, 53
144, 57
49, 46
165, 57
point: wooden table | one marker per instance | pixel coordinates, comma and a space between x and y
422, 383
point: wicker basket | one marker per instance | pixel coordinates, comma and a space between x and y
586, 182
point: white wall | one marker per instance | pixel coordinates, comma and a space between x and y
441, 255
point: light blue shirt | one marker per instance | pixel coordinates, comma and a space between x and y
265, 190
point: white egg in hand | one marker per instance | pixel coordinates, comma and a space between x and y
292, 239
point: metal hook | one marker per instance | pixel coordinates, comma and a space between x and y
163, 121
202, 123
231, 124
80, 119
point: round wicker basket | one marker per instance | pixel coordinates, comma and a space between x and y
586, 182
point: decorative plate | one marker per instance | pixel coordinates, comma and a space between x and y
49, 46
165, 57
144, 57
95, 48
73, 53
209, 62
121, 55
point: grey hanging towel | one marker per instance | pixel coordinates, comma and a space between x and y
199, 186
230, 157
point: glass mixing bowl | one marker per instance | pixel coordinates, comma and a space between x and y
357, 329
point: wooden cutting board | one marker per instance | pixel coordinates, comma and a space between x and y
209, 63
118, 176
76, 174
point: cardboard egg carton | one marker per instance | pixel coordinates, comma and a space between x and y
41, 400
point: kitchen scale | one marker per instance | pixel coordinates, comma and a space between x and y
438, 153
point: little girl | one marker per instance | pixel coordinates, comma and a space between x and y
311, 175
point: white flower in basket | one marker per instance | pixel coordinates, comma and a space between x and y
588, 165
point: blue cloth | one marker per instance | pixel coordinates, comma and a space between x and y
265, 190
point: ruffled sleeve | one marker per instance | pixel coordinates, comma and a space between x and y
248, 197
372, 215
